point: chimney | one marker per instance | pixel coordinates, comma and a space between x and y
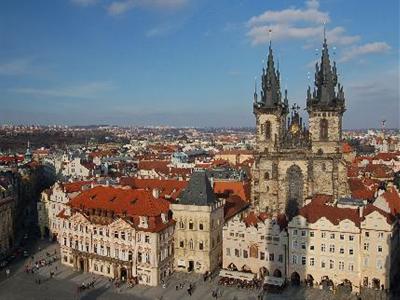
361, 211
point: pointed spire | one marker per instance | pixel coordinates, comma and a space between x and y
325, 81
255, 90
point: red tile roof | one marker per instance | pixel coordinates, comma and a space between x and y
239, 188
233, 205
73, 187
346, 148
392, 198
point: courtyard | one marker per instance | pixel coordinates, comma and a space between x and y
57, 282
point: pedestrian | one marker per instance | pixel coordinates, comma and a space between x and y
8, 273
176, 287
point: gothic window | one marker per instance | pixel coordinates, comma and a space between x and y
294, 179
267, 130
274, 170
254, 251
323, 167
323, 129
266, 175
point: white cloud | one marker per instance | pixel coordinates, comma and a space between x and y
161, 30
296, 23
84, 2
290, 16
369, 48
88, 90
121, 7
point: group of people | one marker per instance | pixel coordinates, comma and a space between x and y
241, 283
190, 288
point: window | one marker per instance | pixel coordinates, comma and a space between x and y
123, 235
366, 246
341, 251
267, 130
322, 264
351, 237
294, 243
341, 265
323, 247
181, 224
271, 257
303, 245
366, 262
191, 244
312, 261
312, 247
181, 244
147, 239
201, 245
191, 225
323, 129
331, 248
351, 251
379, 248
323, 235
266, 176
237, 252
116, 234
341, 236
351, 267
262, 255
294, 231
116, 253
280, 258
201, 227
380, 235
94, 230
303, 260
332, 236
294, 259
366, 234
245, 254
303, 233
228, 251
379, 264
331, 264
311, 233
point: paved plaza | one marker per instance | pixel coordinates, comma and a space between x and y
65, 282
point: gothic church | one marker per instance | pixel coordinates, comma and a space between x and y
293, 162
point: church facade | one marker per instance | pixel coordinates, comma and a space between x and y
293, 161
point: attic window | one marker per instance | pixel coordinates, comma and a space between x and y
92, 197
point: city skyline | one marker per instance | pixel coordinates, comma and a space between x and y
188, 63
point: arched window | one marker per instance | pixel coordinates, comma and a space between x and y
323, 129
191, 245
267, 130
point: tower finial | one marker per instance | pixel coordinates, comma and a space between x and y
270, 37
324, 32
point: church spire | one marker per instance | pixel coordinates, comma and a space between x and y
271, 93
327, 92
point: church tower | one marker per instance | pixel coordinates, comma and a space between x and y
269, 110
325, 106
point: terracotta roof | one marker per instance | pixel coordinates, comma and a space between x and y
387, 156
235, 152
379, 171
233, 205
346, 148
166, 187
361, 190
120, 200
73, 187
239, 188
392, 198
316, 210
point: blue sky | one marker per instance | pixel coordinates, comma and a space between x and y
188, 62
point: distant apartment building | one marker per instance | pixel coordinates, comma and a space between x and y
76, 168
340, 244
119, 233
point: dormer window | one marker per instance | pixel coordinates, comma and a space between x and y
143, 222
164, 217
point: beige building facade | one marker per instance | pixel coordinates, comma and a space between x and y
199, 218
